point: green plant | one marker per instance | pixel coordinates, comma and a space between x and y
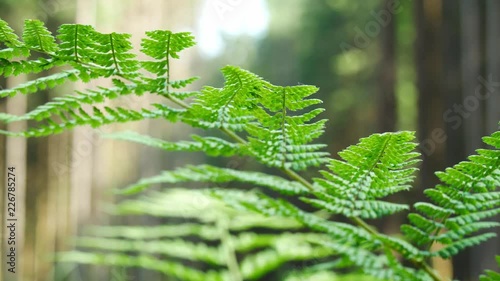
271, 124
490, 274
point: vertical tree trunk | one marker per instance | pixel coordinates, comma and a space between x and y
472, 108
452, 89
471, 69
387, 80
431, 99
483, 255
493, 64
15, 156
3, 197
429, 79
493, 101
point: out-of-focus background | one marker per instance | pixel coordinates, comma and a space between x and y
382, 65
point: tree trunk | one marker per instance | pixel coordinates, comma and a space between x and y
387, 80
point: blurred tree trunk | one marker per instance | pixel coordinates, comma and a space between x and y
471, 69
493, 64
387, 70
492, 103
84, 158
481, 70
472, 115
429, 79
430, 64
452, 93
452, 80
3, 197
15, 156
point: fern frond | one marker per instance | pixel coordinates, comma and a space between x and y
248, 102
210, 145
459, 205
353, 243
257, 265
207, 173
37, 37
326, 276
14, 68
283, 141
170, 268
98, 118
263, 204
42, 83
378, 166
61, 105
229, 107
76, 42
7, 36
260, 254
163, 44
96, 54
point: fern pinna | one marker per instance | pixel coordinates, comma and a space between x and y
220, 234
246, 234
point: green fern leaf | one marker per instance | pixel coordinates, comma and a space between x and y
8, 37
229, 107
162, 44
247, 102
42, 83
207, 173
467, 196
210, 145
80, 117
36, 36
217, 243
378, 166
174, 269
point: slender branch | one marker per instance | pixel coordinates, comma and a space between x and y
168, 65
113, 52
229, 251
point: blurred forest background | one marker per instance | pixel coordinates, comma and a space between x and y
382, 65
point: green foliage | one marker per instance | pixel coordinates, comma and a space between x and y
490, 274
244, 225
249, 103
459, 205
378, 166
89, 55
214, 234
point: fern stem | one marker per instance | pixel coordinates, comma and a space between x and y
113, 52
229, 251
167, 75
283, 128
292, 174
233, 135
76, 44
428, 269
